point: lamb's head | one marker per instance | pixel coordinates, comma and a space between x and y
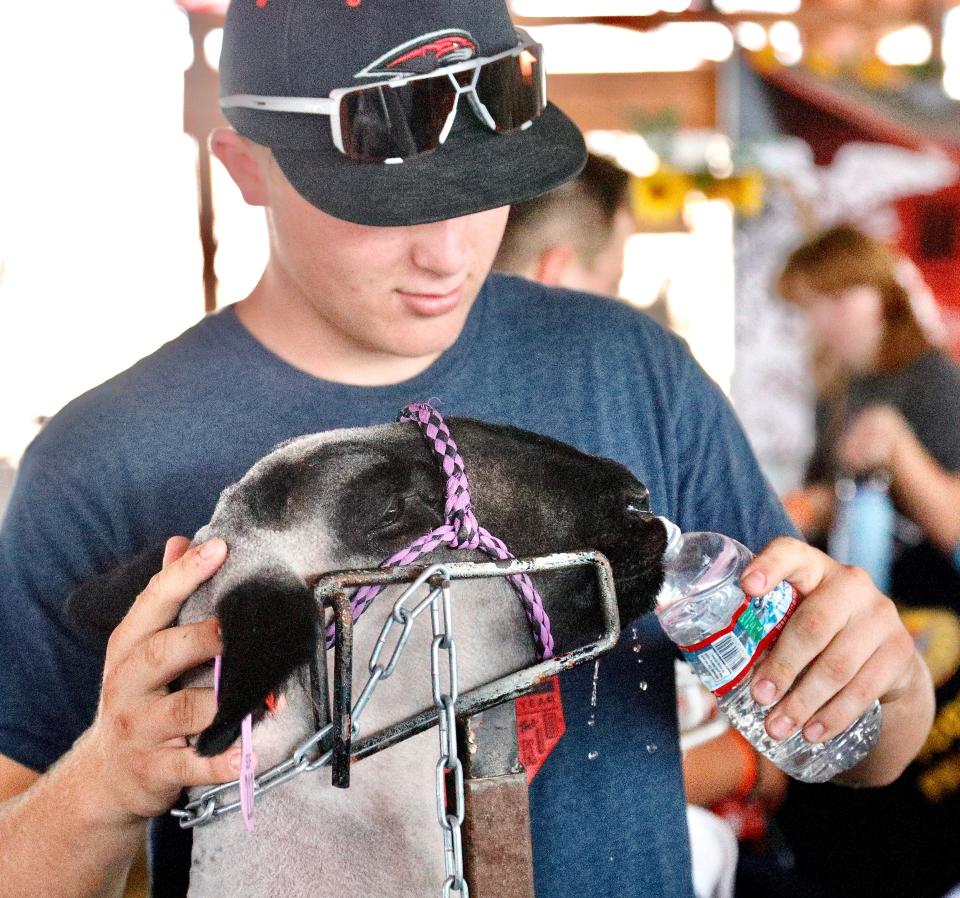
352, 498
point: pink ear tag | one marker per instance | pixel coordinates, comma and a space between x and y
217, 667
247, 769
247, 772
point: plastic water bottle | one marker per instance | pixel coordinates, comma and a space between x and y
863, 529
722, 634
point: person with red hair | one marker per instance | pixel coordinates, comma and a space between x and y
888, 399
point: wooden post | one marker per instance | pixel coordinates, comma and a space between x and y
201, 115
497, 854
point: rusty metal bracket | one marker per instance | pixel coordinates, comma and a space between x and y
342, 687
504, 688
330, 590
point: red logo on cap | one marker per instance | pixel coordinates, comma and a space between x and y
261, 4
423, 54
438, 50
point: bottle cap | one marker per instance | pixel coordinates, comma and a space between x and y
673, 538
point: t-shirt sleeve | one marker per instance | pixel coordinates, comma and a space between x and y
50, 677
721, 487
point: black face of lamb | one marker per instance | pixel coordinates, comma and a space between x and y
542, 496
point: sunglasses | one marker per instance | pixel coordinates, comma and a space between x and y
410, 115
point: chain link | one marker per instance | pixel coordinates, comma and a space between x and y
450, 819
205, 808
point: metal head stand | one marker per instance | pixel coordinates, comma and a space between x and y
482, 804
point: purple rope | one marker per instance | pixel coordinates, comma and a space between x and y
460, 530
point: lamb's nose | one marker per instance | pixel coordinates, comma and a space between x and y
638, 501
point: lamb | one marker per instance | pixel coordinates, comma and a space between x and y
350, 499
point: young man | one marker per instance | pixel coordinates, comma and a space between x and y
377, 293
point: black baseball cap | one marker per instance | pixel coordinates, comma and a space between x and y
307, 48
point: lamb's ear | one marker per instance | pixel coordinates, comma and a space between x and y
97, 605
270, 628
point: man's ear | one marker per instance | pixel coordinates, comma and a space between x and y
551, 267
245, 161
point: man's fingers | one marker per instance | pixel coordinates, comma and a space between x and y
826, 672
787, 559
162, 657
157, 606
185, 712
183, 767
851, 701
175, 548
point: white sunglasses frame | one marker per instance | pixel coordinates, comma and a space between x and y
330, 106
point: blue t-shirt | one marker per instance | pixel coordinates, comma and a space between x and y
145, 455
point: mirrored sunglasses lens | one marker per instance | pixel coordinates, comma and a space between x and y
512, 89
382, 122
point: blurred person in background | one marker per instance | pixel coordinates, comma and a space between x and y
889, 401
575, 236
929, 494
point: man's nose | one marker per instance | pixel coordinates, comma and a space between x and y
441, 247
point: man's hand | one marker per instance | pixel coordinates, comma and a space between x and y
843, 647
139, 735
878, 438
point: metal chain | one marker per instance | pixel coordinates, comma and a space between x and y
450, 819
205, 808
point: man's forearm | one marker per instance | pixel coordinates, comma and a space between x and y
928, 494
58, 839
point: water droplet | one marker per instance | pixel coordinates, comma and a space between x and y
591, 720
592, 755
633, 633
593, 691
611, 857
651, 748
637, 648
643, 685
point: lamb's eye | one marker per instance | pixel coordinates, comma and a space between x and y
392, 513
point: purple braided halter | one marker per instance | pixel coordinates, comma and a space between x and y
460, 530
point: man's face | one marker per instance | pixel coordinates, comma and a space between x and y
379, 293
849, 323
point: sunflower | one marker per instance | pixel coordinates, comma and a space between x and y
874, 73
822, 64
750, 192
659, 198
